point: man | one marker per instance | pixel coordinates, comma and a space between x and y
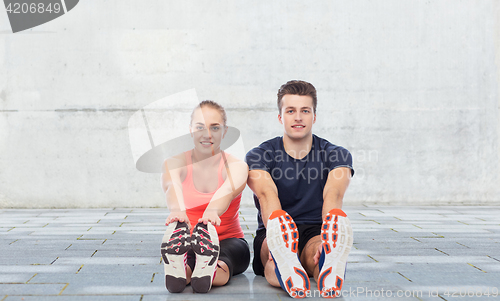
299, 181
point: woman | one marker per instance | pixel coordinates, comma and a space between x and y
203, 189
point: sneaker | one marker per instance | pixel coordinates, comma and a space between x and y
205, 244
336, 236
174, 247
283, 242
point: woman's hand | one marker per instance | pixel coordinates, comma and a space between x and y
179, 216
210, 216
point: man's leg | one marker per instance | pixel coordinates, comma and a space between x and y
282, 241
263, 264
337, 239
307, 256
269, 267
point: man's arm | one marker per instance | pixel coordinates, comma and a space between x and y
333, 195
263, 186
335, 188
237, 174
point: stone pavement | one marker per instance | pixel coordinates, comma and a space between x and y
410, 253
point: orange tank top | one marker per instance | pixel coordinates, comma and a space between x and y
196, 202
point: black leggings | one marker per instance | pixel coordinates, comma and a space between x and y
233, 251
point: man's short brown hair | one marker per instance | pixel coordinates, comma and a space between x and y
297, 87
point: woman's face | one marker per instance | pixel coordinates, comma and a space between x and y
207, 130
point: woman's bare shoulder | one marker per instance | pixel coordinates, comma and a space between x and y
175, 163
235, 161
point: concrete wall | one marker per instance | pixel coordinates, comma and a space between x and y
409, 87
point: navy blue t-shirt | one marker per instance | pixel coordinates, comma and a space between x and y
300, 182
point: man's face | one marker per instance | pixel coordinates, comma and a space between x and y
297, 115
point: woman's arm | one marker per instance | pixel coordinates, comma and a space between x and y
237, 174
172, 187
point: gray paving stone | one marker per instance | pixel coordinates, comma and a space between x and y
216, 296
438, 259
32, 289
72, 277
395, 248
123, 248
15, 278
75, 298
38, 268
18, 230
152, 252
82, 253
94, 236
125, 269
111, 284
80, 244
108, 260
5, 229
38, 260
113, 289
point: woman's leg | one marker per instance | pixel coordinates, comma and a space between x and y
189, 272
222, 274
190, 262
234, 258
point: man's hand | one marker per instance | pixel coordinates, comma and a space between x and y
318, 254
210, 216
177, 215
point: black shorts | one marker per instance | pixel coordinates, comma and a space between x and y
235, 252
306, 232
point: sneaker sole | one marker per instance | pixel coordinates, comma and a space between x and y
337, 239
283, 242
175, 244
205, 244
